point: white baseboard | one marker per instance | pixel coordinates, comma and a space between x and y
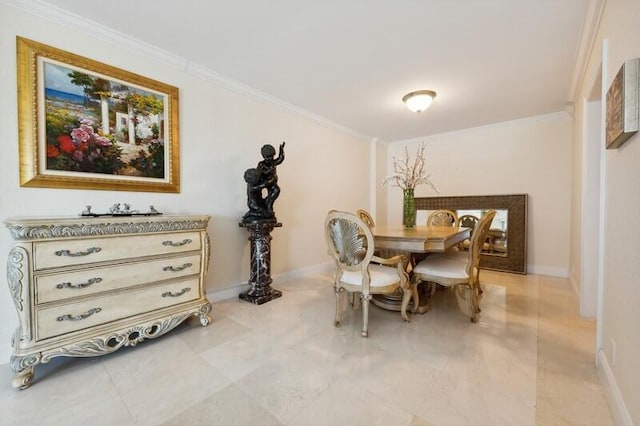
552, 271
228, 293
617, 406
574, 285
234, 291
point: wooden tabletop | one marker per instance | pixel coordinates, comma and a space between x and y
421, 239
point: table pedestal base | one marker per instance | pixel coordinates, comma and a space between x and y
393, 302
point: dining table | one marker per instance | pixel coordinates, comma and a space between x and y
415, 243
419, 239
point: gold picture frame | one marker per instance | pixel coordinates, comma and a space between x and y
83, 124
622, 105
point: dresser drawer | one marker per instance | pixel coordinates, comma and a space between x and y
51, 254
60, 286
63, 319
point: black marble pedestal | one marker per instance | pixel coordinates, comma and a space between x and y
260, 278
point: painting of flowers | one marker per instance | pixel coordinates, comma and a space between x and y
97, 127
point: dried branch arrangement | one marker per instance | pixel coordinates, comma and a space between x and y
408, 173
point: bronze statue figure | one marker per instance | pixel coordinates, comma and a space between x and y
263, 178
260, 220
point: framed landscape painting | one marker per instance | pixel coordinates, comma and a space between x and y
87, 125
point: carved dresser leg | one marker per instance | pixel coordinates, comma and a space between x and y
23, 379
23, 367
205, 318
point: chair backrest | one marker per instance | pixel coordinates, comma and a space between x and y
366, 218
477, 241
468, 221
443, 218
350, 243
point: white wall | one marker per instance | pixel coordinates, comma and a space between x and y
590, 223
221, 132
381, 172
585, 201
620, 28
531, 156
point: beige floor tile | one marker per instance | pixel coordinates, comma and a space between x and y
162, 378
345, 402
218, 332
68, 392
229, 406
528, 361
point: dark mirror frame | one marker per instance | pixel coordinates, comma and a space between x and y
516, 206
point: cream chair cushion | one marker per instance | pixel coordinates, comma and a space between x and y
451, 267
380, 276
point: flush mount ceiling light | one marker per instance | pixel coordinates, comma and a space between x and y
419, 101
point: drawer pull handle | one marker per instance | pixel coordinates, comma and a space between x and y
178, 244
177, 268
178, 294
81, 285
79, 317
78, 253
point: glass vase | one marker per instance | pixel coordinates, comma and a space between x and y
408, 208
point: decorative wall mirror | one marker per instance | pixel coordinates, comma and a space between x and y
506, 247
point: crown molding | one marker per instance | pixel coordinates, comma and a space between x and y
588, 34
94, 29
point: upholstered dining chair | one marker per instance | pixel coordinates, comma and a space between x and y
366, 218
351, 244
459, 269
442, 218
467, 221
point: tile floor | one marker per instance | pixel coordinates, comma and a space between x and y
529, 361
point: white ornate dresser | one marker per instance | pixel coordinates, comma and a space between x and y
89, 286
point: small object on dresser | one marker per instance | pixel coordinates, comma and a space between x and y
115, 210
127, 210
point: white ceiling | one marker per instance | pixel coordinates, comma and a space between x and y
352, 61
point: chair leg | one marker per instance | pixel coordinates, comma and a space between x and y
415, 294
473, 305
433, 287
340, 296
355, 300
468, 301
407, 294
365, 314
477, 290
479, 293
